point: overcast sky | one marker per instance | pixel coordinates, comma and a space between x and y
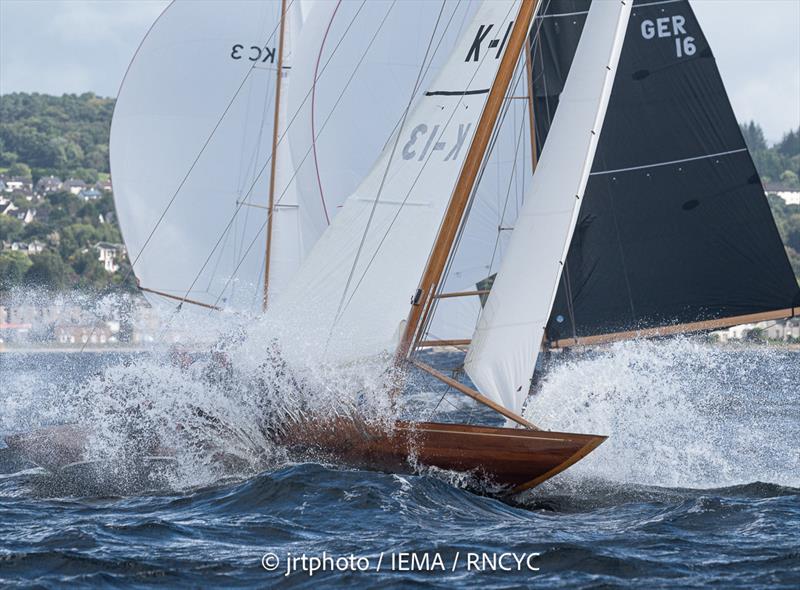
58, 46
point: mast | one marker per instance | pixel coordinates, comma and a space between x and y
273, 162
466, 181
531, 117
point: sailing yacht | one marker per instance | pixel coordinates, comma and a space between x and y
643, 214
643, 197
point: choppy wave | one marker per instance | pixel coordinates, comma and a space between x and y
605, 535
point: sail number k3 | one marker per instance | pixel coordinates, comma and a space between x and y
253, 53
425, 140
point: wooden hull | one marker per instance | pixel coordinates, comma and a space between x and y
514, 458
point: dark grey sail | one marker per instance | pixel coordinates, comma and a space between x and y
674, 227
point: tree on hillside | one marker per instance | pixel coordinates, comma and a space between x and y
780, 163
789, 146
47, 270
13, 266
19, 169
90, 271
55, 134
10, 228
753, 136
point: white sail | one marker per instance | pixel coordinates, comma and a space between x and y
191, 140
351, 80
348, 115
502, 356
357, 282
496, 202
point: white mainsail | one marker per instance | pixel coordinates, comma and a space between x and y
191, 140
348, 114
357, 282
504, 348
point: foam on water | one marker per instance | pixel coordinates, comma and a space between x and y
679, 412
211, 402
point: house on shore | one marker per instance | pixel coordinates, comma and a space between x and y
48, 184
74, 186
109, 254
90, 194
790, 195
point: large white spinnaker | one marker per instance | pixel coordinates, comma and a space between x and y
506, 343
350, 87
355, 286
191, 140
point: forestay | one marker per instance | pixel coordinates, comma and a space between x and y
506, 342
355, 287
191, 140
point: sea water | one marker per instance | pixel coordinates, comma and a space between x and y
697, 486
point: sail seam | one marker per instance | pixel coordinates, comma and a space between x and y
656, 3
657, 164
580, 12
560, 14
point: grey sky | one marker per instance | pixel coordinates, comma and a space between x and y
58, 46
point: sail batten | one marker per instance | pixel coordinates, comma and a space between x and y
505, 345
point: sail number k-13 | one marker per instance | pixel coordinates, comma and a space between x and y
670, 26
425, 140
253, 53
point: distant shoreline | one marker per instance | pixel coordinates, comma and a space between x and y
70, 349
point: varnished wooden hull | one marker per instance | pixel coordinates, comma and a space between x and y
517, 459
514, 458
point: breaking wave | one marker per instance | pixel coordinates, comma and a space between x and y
678, 412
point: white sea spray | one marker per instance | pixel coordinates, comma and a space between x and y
679, 412
210, 391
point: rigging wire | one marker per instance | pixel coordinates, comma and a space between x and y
386, 170
263, 168
535, 36
313, 105
186, 177
430, 63
308, 152
462, 227
200, 153
419, 174
225, 231
324, 125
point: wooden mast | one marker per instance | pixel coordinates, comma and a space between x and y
466, 181
443, 245
273, 163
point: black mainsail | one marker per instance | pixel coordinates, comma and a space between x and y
674, 228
